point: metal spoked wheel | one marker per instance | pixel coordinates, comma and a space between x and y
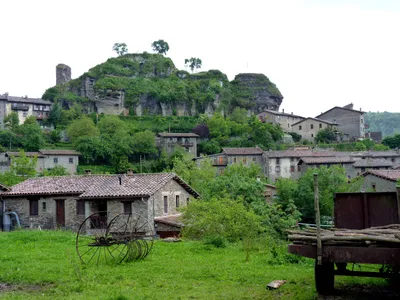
125, 237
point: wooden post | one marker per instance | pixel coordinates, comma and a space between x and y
398, 201
317, 219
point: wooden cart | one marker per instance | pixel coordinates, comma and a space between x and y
355, 213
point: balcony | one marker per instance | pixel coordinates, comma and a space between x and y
16, 106
220, 161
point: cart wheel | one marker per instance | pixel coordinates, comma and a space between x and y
95, 243
324, 278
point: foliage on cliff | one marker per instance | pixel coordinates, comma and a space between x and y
155, 76
386, 122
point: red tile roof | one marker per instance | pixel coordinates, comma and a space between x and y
392, 175
243, 151
372, 162
326, 160
59, 152
97, 186
301, 153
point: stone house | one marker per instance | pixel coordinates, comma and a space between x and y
378, 181
309, 127
284, 164
230, 156
47, 159
168, 142
66, 201
349, 121
283, 119
24, 107
315, 162
366, 164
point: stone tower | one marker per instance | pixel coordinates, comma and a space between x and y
63, 74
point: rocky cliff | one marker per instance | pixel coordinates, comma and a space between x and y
150, 84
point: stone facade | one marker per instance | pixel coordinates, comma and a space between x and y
283, 119
309, 127
372, 183
349, 121
188, 141
24, 107
47, 159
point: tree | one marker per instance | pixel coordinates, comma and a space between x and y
81, 127
11, 121
193, 63
144, 143
392, 141
326, 135
23, 165
160, 46
120, 48
56, 171
201, 130
32, 137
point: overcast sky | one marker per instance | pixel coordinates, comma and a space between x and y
319, 53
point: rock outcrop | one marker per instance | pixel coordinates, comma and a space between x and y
150, 84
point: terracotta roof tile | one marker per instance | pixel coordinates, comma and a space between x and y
97, 186
59, 152
392, 175
243, 151
327, 160
372, 162
302, 153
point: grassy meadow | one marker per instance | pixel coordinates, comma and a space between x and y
44, 265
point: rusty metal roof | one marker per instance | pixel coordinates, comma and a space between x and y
97, 186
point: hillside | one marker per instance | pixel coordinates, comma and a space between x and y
150, 84
386, 122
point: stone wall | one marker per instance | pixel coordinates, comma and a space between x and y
350, 122
381, 184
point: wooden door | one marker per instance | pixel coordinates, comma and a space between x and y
60, 213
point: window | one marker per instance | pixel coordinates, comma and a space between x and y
234, 160
312, 126
392, 159
177, 200
320, 125
300, 127
244, 160
80, 207
24, 114
278, 161
254, 159
298, 168
288, 125
165, 204
373, 186
312, 135
71, 160
44, 206
277, 169
291, 169
292, 159
55, 160
33, 207
127, 208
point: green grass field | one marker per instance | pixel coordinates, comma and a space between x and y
44, 265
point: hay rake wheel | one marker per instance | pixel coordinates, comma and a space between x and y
125, 237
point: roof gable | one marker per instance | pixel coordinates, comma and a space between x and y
243, 151
391, 175
341, 108
98, 186
315, 119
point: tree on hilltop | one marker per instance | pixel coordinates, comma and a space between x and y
120, 48
193, 63
160, 46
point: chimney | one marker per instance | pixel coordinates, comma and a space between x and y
129, 172
283, 110
360, 108
120, 180
26, 97
292, 113
88, 172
